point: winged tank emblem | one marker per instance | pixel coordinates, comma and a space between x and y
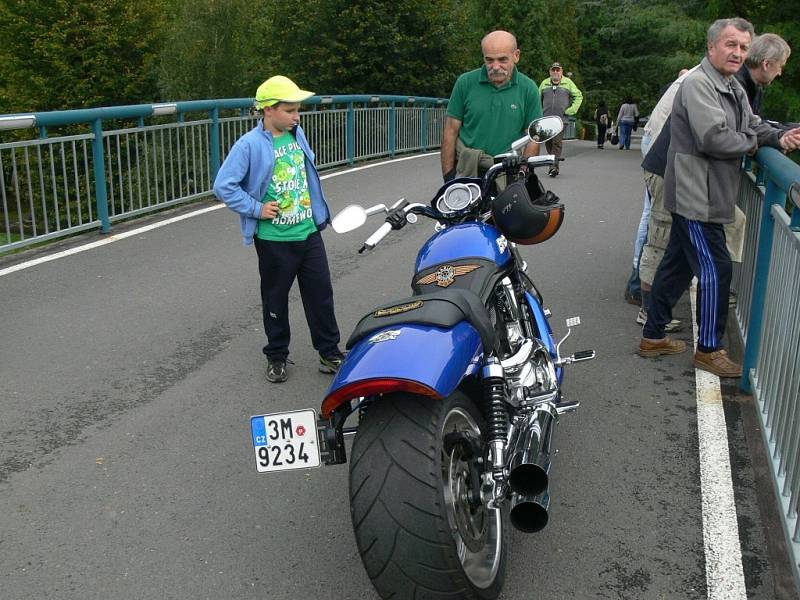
446, 275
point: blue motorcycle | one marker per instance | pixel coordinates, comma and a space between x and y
456, 390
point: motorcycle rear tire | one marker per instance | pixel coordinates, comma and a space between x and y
417, 535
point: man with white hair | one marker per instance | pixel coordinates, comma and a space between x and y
712, 126
765, 61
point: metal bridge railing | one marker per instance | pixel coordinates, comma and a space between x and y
768, 314
87, 177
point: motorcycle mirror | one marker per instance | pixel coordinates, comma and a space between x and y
545, 129
349, 218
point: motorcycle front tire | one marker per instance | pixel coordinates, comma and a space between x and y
417, 533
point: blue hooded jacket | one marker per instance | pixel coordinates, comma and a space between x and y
244, 178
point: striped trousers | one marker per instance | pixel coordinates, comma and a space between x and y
694, 249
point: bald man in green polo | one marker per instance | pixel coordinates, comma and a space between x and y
489, 108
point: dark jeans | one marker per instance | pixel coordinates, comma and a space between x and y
601, 134
699, 249
279, 263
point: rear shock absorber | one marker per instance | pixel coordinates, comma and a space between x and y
494, 384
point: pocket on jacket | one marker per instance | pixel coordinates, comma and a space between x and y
691, 186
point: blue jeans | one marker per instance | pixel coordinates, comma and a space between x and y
625, 128
647, 140
634, 284
641, 233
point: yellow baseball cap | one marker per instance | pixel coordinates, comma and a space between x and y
279, 89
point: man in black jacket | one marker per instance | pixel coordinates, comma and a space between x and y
765, 61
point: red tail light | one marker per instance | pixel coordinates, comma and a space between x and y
373, 387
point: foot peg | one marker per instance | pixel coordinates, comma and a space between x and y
579, 356
582, 355
567, 406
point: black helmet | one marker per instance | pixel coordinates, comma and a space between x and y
523, 220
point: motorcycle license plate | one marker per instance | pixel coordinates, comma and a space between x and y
285, 441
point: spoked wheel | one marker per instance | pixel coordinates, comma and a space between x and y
420, 525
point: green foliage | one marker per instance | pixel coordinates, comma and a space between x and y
635, 50
215, 49
529, 22
372, 46
60, 54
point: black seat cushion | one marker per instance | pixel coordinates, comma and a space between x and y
445, 308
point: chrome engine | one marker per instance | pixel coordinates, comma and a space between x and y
529, 370
532, 392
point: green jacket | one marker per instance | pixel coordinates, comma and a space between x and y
560, 100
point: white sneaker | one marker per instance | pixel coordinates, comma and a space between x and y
671, 327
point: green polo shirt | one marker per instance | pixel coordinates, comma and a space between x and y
491, 118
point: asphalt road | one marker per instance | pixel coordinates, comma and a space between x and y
129, 372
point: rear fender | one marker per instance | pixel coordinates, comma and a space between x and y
407, 357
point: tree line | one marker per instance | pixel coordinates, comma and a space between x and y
66, 54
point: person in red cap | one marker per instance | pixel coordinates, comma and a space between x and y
270, 180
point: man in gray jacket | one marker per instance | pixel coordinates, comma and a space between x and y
712, 128
560, 98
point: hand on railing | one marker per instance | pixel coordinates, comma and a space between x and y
790, 140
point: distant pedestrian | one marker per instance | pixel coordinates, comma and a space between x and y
560, 98
269, 178
601, 120
627, 121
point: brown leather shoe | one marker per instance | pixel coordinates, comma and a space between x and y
718, 363
650, 348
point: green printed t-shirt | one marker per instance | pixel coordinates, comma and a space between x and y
289, 188
491, 118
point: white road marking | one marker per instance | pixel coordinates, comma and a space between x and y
121, 236
724, 572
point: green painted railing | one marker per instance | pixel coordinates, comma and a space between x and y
768, 313
91, 167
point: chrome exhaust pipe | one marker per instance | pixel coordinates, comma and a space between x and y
529, 513
530, 457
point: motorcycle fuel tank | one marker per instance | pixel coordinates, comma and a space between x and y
468, 240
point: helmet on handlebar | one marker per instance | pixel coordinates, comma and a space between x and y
524, 220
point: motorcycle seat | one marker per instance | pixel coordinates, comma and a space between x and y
445, 308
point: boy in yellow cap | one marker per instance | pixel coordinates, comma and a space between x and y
269, 178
